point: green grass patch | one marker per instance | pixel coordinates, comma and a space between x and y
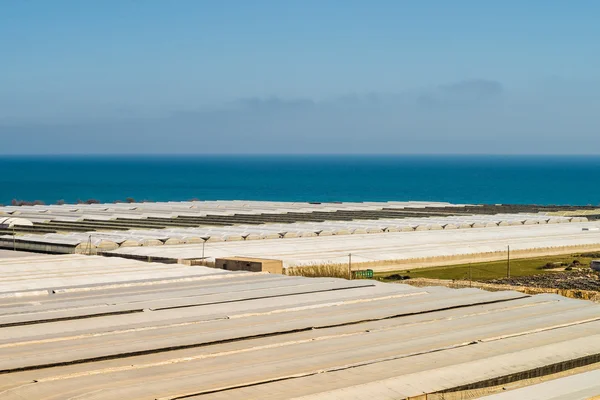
494, 269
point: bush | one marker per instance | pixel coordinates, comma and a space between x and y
569, 268
15, 202
591, 255
130, 200
548, 266
60, 202
397, 277
92, 201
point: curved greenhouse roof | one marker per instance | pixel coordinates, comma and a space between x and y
12, 221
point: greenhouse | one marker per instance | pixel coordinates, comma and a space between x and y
100, 328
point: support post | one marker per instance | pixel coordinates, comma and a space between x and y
508, 262
350, 266
470, 276
204, 240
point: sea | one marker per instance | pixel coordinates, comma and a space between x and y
480, 179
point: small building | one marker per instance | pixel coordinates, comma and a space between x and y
595, 265
250, 264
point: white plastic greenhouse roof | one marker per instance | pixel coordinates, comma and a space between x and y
85, 327
223, 207
10, 222
583, 386
396, 246
307, 229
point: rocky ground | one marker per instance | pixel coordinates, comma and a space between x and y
580, 279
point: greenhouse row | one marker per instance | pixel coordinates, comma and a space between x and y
183, 215
91, 242
209, 208
79, 327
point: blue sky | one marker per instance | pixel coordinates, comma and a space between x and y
299, 76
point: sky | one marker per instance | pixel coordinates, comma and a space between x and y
299, 76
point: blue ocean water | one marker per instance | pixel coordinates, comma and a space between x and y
459, 179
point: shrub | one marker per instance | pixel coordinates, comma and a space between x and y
16, 202
394, 277
130, 200
591, 255
569, 268
548, 266
92, 201
60, 202
397, 277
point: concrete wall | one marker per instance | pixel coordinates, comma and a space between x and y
250, 264
50, 248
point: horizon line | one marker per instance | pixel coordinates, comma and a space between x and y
299, 154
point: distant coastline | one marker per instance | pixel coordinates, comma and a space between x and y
536, 179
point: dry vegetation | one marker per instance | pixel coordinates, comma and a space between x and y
320, 271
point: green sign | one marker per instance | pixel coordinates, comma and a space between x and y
364, 273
